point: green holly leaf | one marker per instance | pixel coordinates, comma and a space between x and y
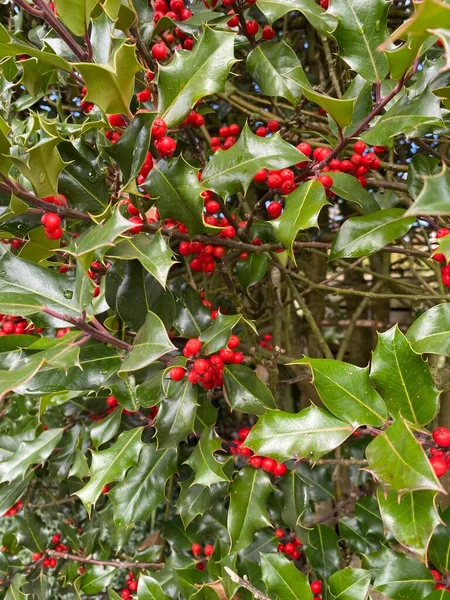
295, 498
362, 236
355, 539
322, 550
348, 187
106, 429
245, 391
29, 453
346, 391
192, 316
190, 76
96, 579
175, 186
207, 469
398, 460
10, 493
403, 378
430, 332
350, 584
150, 589
248, 506
232, 171
152, 251
410, 518
404, 578
428, 15
283, 580
151, 342
320, 19
217, 335
111, 465
301, 212
143, 488
361, 29
432, 198
131, 149
439, 549
311, 433
196, 500
14, 591
368, 514
176, 416
30, 531
438, 595
111, 85
75, 14
251, 270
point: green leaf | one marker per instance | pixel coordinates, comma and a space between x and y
29, 453
131, 149
190, 76
398, 460
311, 433
251, 270
176, 416
111, 465
321, 20
248, 506
429, 14
403, 378
75, 14
30, 532
106, 429
404, 579
322, 550
153, 252
348, 187
232, 171
196, 500
411, 518
151, 342
432, 198
419, 167
368, 514
111, 86
295, 498
362, 236
217, 335
175, 186
14, 591
245, 391
96, 579
143, 488
438, 595
9, 494
150, 589
430, 332
207, 469
283, 580
301, 212
361, 29
350, 584
193, 316
346, 391
439, 549
355, 539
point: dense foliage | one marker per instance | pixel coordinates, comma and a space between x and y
225, 317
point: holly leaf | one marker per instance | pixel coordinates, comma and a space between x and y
398, 460
301, 211
430, 332
362, 236
411, 518
251, 270
9, 46
30, 531
111, 85
143, 488
403, 378
346, 391
322, 550
176, 415
404, 578
320, 19
175, 186
232, 171
190, 76
433, 198
151, 342
192, 316
197, 499
150, 589
75, 14
295, 498
245, 391
360, 30
283, 580
248, 506
153, 252
348, 187
11, 493
350, 584
106, 429
111, 465
439, 549
207, 469
428, 15
311, 433
217, 335
96, 579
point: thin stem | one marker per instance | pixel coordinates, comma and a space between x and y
246, 585
119, 564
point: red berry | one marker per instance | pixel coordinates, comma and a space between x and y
209, 549
56, 538
226, 355
267, 33
192, 346
51, 221
289, 548
159, 129
139, 224
196, 550
185, 249
260, 176
287, 187
321, 153
105, 489
359, 147
166, 146
316, 586
238, 358
143, 96
251, 27
132, 585
112, 402
176, 373
54, 235
36, 556
274, 181
274, 210
273, 126
441, 435
436, 575
255, 462
212, 207
228, 232
325, 180
439, 466
304, 148
159, 51
324, 4
442, 232
261, 131
125, 594
116, 121
201, 366
193, 377
233, 342
268, 464
379, 149
279, 470
279, 532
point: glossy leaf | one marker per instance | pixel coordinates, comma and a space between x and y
217, 335
430, 332
350, 584
245, 391
432, 198
322, 550
192, 316
403, 378
196, 500
404, 579
439, 549
362, 236
346, 391
207, 469
311, 433
106, 429
302, 210
429, 14
150, 589
283, 580
348, 187
75, 14
321, 20
295, 498
176, 416
251, 270
10, 493
398, 460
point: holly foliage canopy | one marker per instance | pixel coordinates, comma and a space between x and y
225, 317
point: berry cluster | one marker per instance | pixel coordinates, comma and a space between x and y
131, 586
440, 459
177, 12
289, 543
440, 257
204, 256
271, 127
12, 325
441, 582
269, 465
198, 551
227, 133
51, 562
52, 225
13, 510
16, 243
266, 341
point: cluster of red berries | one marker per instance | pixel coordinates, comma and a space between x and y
198, 551
265, 342
14, 509
16, 243
440, 257
440, 585
13, 325
207, 372
269, 465
289, 543
165, 145
207, 303
440, 459
131, 587
50, 563
205, 255
227, 133
263, 130
86, 107
52, 225
237, 446
62, 332
177, 12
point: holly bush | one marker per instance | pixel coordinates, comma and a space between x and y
225, 316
